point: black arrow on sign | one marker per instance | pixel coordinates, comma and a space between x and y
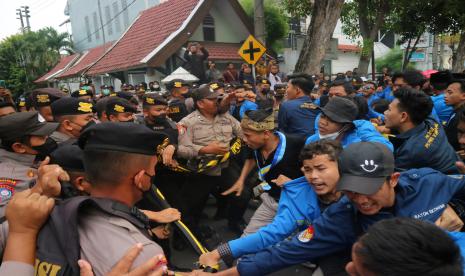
251, 51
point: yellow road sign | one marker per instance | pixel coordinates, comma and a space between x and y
252, 50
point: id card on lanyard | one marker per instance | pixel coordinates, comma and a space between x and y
278, 156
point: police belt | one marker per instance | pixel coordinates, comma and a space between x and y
206, 163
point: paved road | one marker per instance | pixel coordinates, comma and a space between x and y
188, 257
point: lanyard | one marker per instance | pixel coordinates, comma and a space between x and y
278, 156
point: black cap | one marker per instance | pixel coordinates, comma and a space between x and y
46, 96
125, 95
340, 110
82, 93
153, 99
119, 105
204, 92
71, 106
122, 137
69, 157
178, 83
364, 167
101, 105
216, 85
20, 124
263, 81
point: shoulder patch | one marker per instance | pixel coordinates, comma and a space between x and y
7, 188
181, 129
306, 235
308, 106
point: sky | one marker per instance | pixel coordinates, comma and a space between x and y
44, 13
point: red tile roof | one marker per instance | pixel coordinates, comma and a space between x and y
148, 31
86, 60
222, 51
64, 62
348, 48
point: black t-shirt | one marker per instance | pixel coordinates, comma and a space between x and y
288, 166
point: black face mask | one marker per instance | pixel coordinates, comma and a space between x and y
265, 90
44, 150
89, 124
159, 120
188, 94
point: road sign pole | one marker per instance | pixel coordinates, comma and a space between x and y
253, 73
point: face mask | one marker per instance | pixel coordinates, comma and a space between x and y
188, 94
265, 90
106, 92
331, 136
44, 150
159, 120
156, 86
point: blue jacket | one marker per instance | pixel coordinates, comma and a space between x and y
298, 116
443, 110
364, 132
420, 193
426, 145
386, 94
245, 106
459, 239
298, 207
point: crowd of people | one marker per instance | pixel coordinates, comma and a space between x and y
353, 176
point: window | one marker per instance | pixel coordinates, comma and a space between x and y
108, 20
124, 8
89, 37
208, 28
96, 25
117, 18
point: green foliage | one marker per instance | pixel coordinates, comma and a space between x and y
275, 22
392, 60
299, 8
26, 57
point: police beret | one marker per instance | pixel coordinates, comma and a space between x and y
125, 95
71, 106
263, 81
154, 100
119, 105
20, 124
101, 105
82, 93
122, 137
204, 92
69, 157
46, 96
21, 101
237, 85
216, 85
178, 83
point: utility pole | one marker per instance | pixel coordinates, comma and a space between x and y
20, 14
101, 21
26, 14
259, 21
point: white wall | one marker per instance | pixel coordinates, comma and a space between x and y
344, 62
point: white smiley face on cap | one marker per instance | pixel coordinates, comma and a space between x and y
369, 166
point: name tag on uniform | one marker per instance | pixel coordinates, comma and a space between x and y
308, 106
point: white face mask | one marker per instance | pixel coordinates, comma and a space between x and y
331, 136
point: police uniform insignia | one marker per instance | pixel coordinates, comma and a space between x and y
85, 107
307, 234
214, 86
22, 103
119, 108
150, 100
82, 92
178, 84
43, 98
7, 188
30, 174
308, 106
174, 109
264, 81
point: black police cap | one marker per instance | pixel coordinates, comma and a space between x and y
46, 96
125, 95
20, 124
122, 137
82, 93
69, 157
154, 100
119, 105
71, 106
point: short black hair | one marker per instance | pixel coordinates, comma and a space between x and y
406, 246
112, 167
362, 106
302, 81
380, 105
330, 147
416, 103
348, 87
411, 77
7, 104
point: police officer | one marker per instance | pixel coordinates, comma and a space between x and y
24, 144
42, 98
120, 162
180, 102
373, 192
298, 113
264, 97
73, 115
204, 135
119, 110
278, 95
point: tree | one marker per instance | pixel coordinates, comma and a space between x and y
26, 57
364, 18
455, 12
324, 17
275, 22
392, 60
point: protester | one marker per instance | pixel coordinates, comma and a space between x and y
195, 61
